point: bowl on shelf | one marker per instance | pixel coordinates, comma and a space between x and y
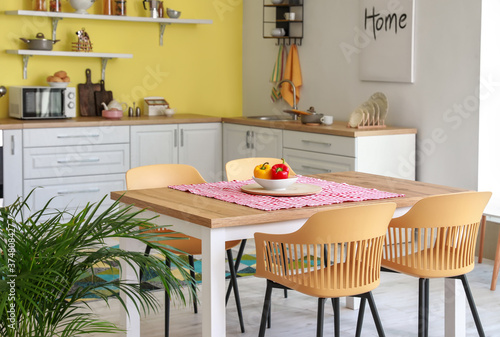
275, 184
58, 84
81, 6
172, 13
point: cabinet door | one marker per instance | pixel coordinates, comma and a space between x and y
237, 142
267, 142
12, 165
305, 162
153, 144
200, 146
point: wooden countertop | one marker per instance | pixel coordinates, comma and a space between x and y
11, 123
215, 213
338, 128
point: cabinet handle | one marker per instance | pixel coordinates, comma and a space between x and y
12, 145
88, 190
86, 160
78, 136
316, 168
182, 137
253, 140
247, 139
315, 142
175, 138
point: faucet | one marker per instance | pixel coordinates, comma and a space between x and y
295, 116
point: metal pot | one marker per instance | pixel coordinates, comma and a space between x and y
40, 43
312, 117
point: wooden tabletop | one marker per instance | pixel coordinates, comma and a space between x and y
214, 213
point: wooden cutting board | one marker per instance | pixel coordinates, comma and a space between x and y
86, 95
102, 96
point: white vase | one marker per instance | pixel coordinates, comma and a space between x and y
81, 6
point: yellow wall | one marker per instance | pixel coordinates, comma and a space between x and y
198, 69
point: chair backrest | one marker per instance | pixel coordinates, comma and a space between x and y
335, 253
242, 169
162, 175
437, 236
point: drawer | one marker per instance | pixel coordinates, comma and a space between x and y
72, 193
316, 142
304, 162
66, 161
76, 136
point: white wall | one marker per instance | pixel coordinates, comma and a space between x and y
442, 102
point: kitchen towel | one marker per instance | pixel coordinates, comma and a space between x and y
294, 74
277, 74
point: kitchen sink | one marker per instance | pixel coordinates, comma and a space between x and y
271, 118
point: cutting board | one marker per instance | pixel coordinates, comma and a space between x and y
102, 96
86, 95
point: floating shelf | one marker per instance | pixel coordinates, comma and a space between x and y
103, 56
56, 16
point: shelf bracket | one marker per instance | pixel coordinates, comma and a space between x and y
25, 66
104, 63
162, 30
55, 21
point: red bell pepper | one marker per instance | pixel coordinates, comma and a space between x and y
280, 171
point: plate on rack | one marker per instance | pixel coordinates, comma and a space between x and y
295, 190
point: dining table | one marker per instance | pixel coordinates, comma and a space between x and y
215, 221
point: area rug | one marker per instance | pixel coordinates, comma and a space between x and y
104, 273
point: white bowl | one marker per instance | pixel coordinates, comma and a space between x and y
81, 6
275, 184
169, 112
58, 84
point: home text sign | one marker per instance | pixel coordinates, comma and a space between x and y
387, 29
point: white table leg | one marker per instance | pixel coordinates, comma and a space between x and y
132, 322
454, 308
213, 284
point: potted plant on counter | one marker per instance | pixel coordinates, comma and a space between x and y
44, 255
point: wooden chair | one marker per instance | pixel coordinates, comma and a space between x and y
163, 175
242, 169
336, 253
496, 264
436, 239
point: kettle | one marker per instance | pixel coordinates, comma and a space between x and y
153, 7
115, 105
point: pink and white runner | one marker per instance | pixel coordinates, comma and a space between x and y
331, 193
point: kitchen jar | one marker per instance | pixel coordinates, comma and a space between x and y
40, 5
107, 7
55, 5
120, 7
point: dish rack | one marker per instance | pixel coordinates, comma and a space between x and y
369, 122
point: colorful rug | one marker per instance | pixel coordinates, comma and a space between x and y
104, 273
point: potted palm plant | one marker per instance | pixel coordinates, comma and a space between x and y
45, 254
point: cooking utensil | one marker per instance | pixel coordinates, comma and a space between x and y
102, 96
173, 14
86, 95
39, 43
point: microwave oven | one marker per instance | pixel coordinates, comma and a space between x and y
31, 102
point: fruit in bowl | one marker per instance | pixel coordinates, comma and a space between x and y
60, 79
273, 178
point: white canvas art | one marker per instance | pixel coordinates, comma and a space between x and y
387, 28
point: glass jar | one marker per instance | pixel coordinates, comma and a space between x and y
120, 7
40, 5
107, 8
55, 5
160, 9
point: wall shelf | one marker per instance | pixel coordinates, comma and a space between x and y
56, 16
273, 17
103, 56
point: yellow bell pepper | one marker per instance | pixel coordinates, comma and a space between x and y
262, 171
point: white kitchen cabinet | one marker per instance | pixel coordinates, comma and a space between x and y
312, 153
242, 141
12, 165
198, 145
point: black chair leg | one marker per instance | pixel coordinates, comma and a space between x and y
167, 306
336, 316
423, 307
236, 290
361, 315
266, 309
321, 317
236, 266
472, 305
269, 317
375, 315
193, 275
